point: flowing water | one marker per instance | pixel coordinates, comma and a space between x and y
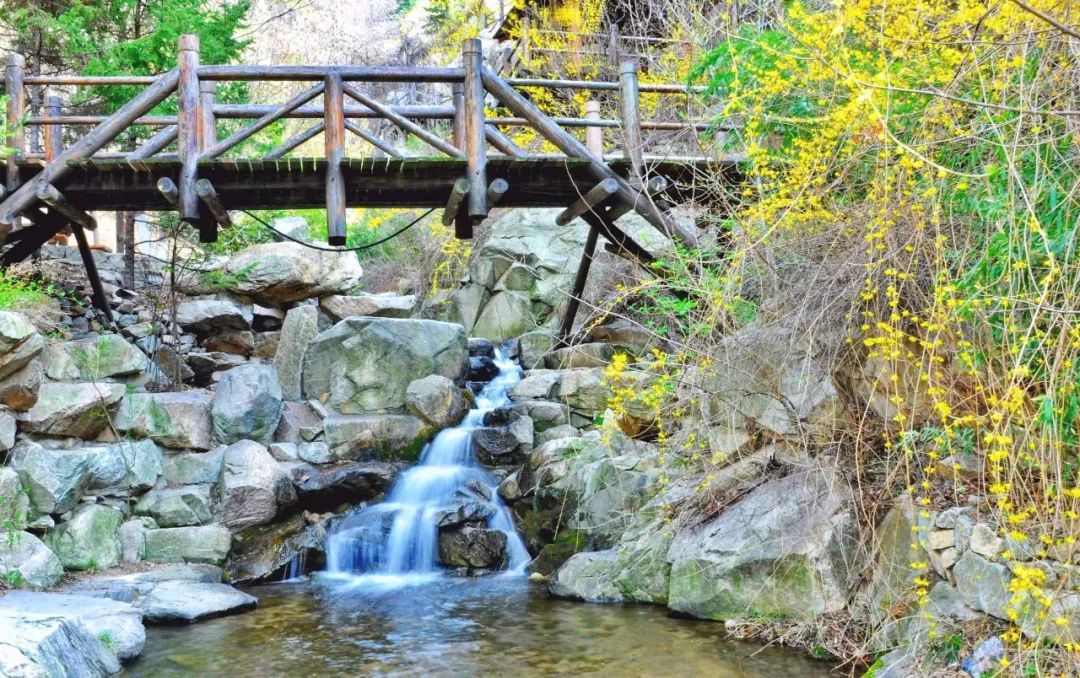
482, 626
396, 541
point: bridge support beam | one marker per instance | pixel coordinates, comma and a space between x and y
334, 134
187, 143
475, 138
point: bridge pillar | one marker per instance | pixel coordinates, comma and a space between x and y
631, 117
16, 108
188, 133
475, 137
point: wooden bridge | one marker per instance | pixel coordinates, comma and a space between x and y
188, 167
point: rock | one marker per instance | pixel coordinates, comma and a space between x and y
555, 433
123, 467
54, 479
253, 487
88, 541
180, 602
238, 342
19, 390
19, 343
436, 400
581, 355
536, 385
14, 503
247, 404
940, 539
204, 316
533, 347
986, 658
299, 423
626, 335
177, 506
180, 420
133, 539
266, 345
294, 227
118, 625
500, 446
505, 316
42, 646
545, 415
204, 365
510, 487
7, 429
378, 305
265, 552
278, 273
983, 585
584, 390
172, 365
284, 451
25, 559
482, 369
299, 331
203, 544
984, 542
77, 410
481, 348
474, 548
376, 436
588, 577
93, 359
363, 365
788, 548
460, 306
326, 489
195, 468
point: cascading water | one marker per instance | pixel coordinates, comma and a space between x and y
398, 538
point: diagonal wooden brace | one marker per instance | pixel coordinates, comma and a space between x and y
48, 194
592, 201
205, 190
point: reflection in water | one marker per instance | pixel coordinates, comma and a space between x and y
452, 627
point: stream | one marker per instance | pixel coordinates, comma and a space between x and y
453, 626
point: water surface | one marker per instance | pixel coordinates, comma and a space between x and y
443, 626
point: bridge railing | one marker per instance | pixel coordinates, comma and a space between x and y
463, 128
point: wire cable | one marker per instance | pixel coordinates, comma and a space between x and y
358, 248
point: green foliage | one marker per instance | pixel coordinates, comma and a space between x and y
13, 578
108, 640
223, 281
20, 293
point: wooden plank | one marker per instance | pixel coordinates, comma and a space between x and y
475, 139
457, 96
408, 74
28, 240
403, 123
334, 103
187, 142
352, 111
594, 136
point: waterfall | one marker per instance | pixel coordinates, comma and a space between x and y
398, 538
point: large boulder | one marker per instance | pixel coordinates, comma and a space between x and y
118, 625
588, 577
177, 506
89, 540
473, 548
19, 343
123, 467
282, 272
77, 410
44, 645
247, 404
386, 305
180, 420
787, 549
376, 436
25, 559
203, 544
327, 488
299, 330
437, 400
14, 502
93, 359
55, 479
506, 315
204, 316
19, 390
253, 487
182, 602
268, 552
363, 365
193, 468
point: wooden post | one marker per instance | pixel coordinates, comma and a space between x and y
334, 134
457, 97
594, 136
574, 302
630, 98
213, 202
54, 140
16, 109
207, 121
475, 139
100, 300
458, 193
187, 143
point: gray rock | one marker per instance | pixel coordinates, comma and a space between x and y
983, 585
54, 479
297, 334
25, 554
125, 466
180, 420
177, 506
266, 552
14, 502
204, 316
581, 355
118, 625
253, 487
294, 227
181, 602
7, 429
327, 488
267, 318
19, 390
203, 544
314, 453
536, 385
77, 410
788, 548
503, 445
43, 646
89, 539
473, 548
247, 404
505, 316
278, 273
93, 359
387, 305
133, 539
194, 468
236, 342
587, 576
364, 365
376, 436
299, 423
436, 400
19, 343
544, 414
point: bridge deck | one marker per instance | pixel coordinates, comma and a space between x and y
120, 184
